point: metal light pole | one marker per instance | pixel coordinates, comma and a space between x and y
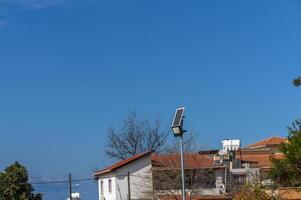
178, 131
182, 168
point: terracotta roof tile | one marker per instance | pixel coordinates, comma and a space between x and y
267, 141
192, 161
261, 160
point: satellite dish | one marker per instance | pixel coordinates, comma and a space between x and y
222, 152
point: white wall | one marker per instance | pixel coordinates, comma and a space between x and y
105, 194
140, 181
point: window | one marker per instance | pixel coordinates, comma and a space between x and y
110, 185
101, 187
239, 179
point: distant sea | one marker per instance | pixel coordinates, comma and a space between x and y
60, 191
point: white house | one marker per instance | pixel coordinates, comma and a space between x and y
128, 177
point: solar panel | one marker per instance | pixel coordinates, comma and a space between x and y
178, 117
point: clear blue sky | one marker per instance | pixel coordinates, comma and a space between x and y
70, 69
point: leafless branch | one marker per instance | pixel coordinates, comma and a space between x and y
135, 136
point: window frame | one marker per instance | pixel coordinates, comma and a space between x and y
101, 187
110, 185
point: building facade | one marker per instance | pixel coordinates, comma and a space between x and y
128, 179
208, 174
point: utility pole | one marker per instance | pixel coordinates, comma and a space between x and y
129, 186
70, 187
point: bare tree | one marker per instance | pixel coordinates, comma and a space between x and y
136, 135
167, 176
189, 144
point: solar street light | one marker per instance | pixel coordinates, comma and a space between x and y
178, 130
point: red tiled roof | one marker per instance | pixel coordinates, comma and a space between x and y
261, 160
195, 197
289, 193
267, 142
192, 161
121, 163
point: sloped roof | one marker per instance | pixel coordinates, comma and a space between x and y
192, 161
261, 160
121, 163
267, 142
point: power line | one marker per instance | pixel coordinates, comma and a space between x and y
62, 181
80, 180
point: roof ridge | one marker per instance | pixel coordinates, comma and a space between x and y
264, 140
121, 163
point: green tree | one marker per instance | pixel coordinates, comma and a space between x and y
297, 81
286, 172
14, 184
255, 192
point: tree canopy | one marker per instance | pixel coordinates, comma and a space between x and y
14, 184
286, 172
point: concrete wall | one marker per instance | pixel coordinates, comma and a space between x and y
220, 178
